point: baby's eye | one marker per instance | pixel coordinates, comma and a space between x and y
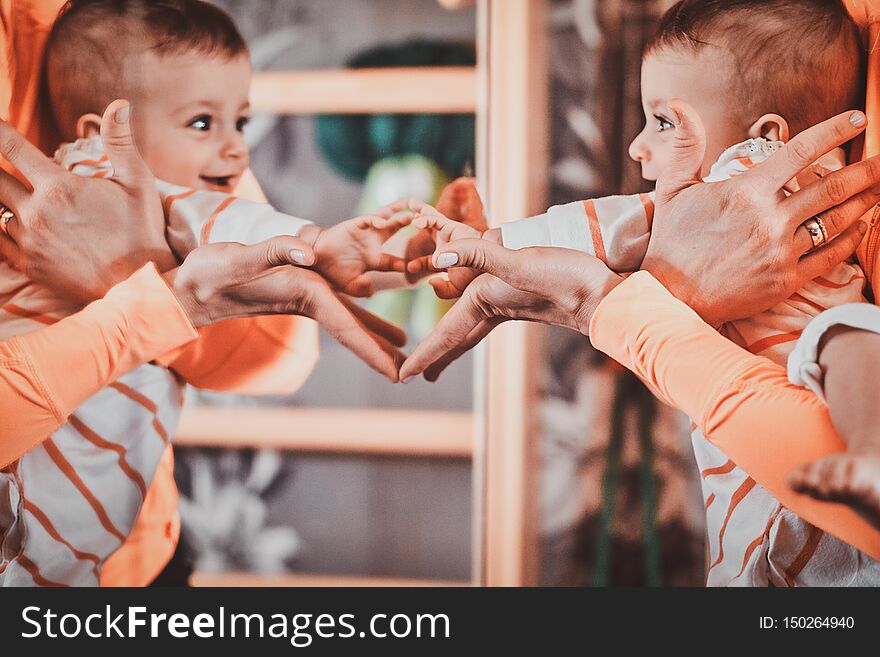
242, 122
663, 124
202, 122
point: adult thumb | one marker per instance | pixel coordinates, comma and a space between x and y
287, 250
688, 151
485, 256
128, 166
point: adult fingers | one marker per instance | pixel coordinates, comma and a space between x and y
25, 157
12, 193
344, 327
248, 262
12, 228
128, 166
818, 262
688, 151
9, 251
450, 332
805, 148
839, 218
860, 180
489, 257
394, 334
288, 250
433, 372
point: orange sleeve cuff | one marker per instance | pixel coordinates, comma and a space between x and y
47, 374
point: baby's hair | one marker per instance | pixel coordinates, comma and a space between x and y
88, 44
801, 59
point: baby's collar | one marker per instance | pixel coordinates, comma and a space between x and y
86, 148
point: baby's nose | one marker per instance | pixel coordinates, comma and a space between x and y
637, 150
235, 148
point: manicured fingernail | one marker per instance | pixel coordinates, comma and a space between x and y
121, 115
863, 228
857, 119
298, 256
445, 260
406, 380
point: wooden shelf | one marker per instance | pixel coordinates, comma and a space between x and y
303, 580
415, 90
386, 432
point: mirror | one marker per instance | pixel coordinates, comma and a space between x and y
351, 479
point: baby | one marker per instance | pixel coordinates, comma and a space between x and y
184, 66
759, 70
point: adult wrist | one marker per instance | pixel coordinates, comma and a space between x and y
188, 297
592, 297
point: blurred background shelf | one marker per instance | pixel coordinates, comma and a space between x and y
413, 90
385, 432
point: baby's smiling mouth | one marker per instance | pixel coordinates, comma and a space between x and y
223, 182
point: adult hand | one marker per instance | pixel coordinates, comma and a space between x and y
224, 281
735, 248
548, 285
80, 236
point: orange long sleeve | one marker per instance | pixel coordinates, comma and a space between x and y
46, 375
743, 403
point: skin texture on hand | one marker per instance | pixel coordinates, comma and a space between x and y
554, 286
80, 236
734, 248
225, 281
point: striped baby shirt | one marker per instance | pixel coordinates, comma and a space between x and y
70, 502
752, 539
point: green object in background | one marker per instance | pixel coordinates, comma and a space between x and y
397, 177
402, 155
387, 181
352, 144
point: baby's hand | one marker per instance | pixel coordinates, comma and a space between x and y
443, 231
350, 249
458, 201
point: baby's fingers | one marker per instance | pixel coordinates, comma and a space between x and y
422, 265
444, 288
404, 205
388, 262
432, 222
362, 286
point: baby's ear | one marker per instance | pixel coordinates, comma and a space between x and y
88, 125
770, 126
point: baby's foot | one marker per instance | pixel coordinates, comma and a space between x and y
849, 478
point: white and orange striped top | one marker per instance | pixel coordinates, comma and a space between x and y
752, 539
70, 502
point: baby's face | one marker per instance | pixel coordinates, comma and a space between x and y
702, 80
188, 115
